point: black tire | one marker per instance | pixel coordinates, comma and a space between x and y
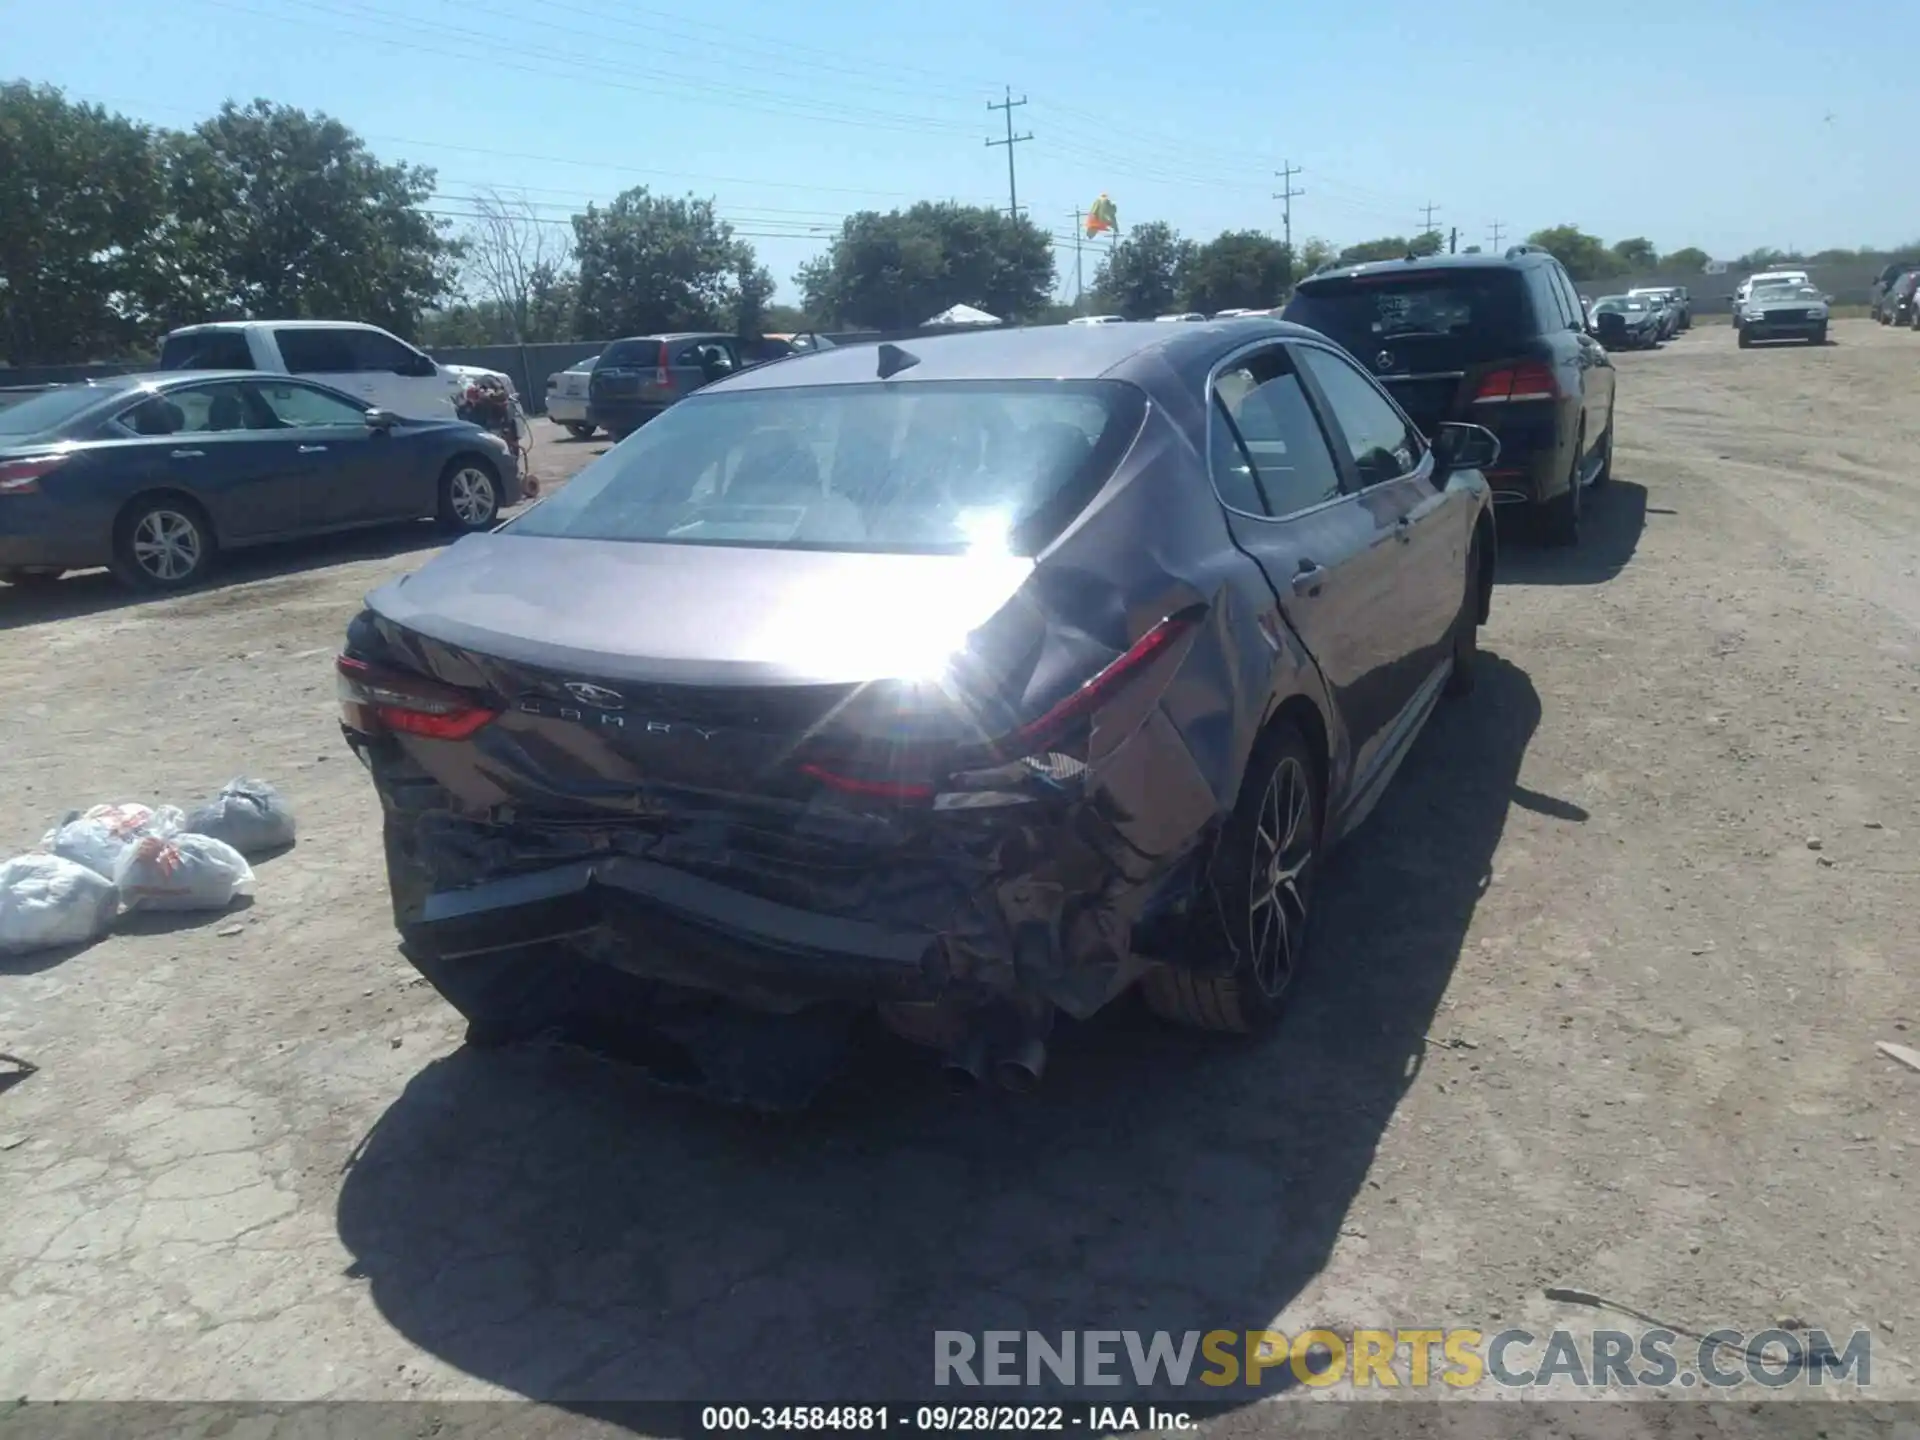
579, 431
1466, 628
162, 543
469, 494
1746, 340
1267, 931
1605, 472
1559, 517
617, 433
1819, 336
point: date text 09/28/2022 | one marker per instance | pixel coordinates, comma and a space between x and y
943, 1419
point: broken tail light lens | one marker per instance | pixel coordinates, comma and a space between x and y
22, 477
373, 700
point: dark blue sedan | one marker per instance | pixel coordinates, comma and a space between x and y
153, 475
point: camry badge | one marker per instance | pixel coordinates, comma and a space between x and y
598, 696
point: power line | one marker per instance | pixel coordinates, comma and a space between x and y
1286, 196
1009, 105
1428, 209
1498, 230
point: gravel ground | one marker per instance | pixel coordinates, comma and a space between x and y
1596, 1007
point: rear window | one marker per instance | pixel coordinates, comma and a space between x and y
631, 353
1475, 308
930, 468
209, 350
51, 409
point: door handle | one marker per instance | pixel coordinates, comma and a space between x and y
187, 454
311, 449
1310, 578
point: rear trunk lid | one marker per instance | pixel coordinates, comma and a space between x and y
621, 671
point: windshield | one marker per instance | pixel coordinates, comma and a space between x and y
1361, 313
53, 408
933, 468
1619, 305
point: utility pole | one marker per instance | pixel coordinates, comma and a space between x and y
1498, 231
1286, 195
1453, 241
1009, 105
1427, 227
1079, 282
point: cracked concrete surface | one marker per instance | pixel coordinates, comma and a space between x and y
260, 1167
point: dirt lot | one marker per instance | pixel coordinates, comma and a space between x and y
1654, 879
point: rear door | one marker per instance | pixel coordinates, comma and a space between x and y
1420, 580
1329, 558
206, 440
625, 375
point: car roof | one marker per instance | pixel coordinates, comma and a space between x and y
1419, 263
675, 335
274, 325
1042, 352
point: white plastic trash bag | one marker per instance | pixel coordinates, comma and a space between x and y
46, 900
250, 815
98, 838
182, 872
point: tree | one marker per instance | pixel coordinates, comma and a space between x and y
650, 263
1391, 247
280, 214
1470, 250
1689, 260
1427, 242
512, 255
1144, 274
1314, 254
80, 202
1238, 269
753, 291
1636, 256
1583, 255
894, 271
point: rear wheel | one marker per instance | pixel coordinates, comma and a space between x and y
1605, 472
580, 431
162, 543
1261, 889
1746, 340
1466, 628
469, 494
1560, 516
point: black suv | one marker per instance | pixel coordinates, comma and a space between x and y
1498, 340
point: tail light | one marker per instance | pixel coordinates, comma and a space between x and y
22, 477
1529, 380
662, 371
373, 700
1033, 739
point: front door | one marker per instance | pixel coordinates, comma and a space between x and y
347, 480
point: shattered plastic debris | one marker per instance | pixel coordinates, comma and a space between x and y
184, 872
48, 900
99, 837
249, 815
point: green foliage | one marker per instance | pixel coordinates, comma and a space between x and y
894, 271
1636, 256
1428, 242
80, 198
1688, 260
1315, 253
1390, 247
1584, 256
1145, 273
1239, 269
653, 262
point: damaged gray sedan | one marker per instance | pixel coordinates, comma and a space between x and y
974, 682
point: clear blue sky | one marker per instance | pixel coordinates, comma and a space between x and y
1726, 124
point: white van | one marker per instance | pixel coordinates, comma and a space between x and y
362, 360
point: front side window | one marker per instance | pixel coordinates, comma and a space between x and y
930, 468
1269, 456
383, 353
301, 407
1384, 446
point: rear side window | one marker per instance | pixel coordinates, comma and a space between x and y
207, 350
630, 354
319, 351
1442, 311
929, 468
1269, 455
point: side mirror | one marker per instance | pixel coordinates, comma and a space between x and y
380, 421
1460, 446
417, 367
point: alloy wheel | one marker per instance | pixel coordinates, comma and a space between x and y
470, 493
167, 546
1276, 890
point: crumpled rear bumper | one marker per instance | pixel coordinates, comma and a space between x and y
665, 924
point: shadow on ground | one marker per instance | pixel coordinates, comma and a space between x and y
1612, 518
551, 1224
89, 592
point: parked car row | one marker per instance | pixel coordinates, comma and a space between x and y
1892, 298
972, 679
635, 378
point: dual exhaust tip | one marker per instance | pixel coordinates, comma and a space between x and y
1015, 1068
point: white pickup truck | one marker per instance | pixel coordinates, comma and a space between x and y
362, 360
